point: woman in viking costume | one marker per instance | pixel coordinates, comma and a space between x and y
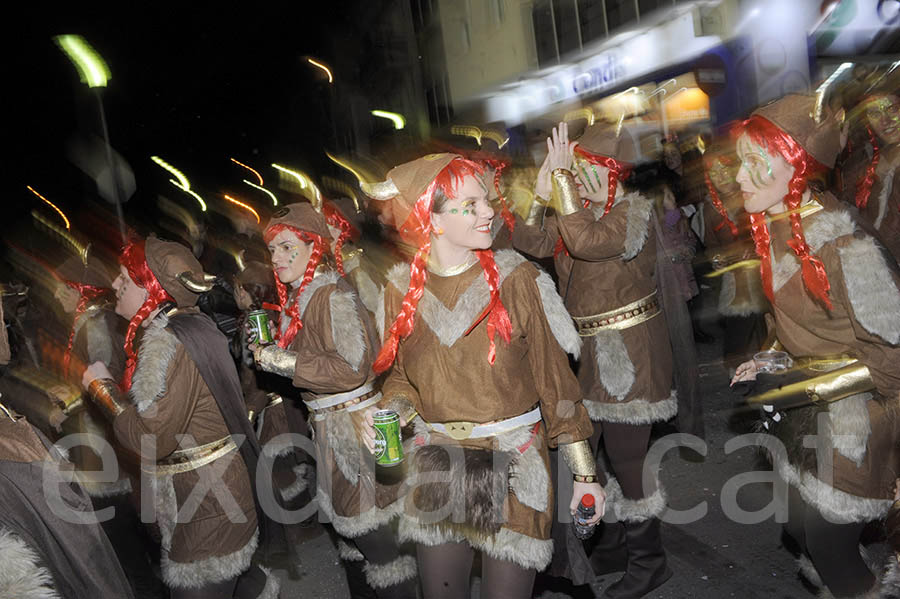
187, 421
837, 311
605, 256
325, 346
741, 300
474, 346
868, 173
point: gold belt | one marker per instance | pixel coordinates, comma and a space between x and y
621, 318
185, 460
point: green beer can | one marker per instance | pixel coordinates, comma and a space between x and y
259, 327
388, 447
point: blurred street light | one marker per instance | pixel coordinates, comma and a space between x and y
52, 205
252, 170
397, 119
92, 70
182, 183
244, 206
264, 190
323, 67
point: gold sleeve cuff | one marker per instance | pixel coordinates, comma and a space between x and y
831, 386
105, 395
580, 460
565, 198
535, 213
280, 361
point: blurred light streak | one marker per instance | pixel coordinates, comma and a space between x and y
752, 263
362, 175
52, 205
252, 170
182, 180
305, 184
188, 191
263, 189
323, 67
300, 177
243, 205
398, 120
92, 70
500, 139
581, 113
820, 91
340, 187
80, 249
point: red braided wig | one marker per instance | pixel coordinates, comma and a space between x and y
505, 213
720, 208
767, 135
134, 260
864, 185
86, 293
447, 181
292, 310
618, 171
334, 218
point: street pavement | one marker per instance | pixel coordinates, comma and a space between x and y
712, 557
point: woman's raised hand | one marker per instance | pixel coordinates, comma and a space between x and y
559, 155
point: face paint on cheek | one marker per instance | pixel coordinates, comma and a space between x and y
587, 179
597, 177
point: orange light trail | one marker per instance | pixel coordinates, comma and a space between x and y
244, 206
323, 67
52, 205
252, 170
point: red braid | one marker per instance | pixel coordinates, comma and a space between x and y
720, 208
761, 240
134, 260
864, 185
292, 310
505, 212
498, 317
334, 218
767, 135
86, 293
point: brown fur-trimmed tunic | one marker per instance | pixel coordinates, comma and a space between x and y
864, 323
446, 376
335, 349
171, 399
626, 376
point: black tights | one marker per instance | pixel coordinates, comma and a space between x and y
445, 571
832, 548
626, 447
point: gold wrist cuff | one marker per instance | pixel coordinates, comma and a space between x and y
579, 459
280, 361
535, 213
106, 396
565, 198
831, 386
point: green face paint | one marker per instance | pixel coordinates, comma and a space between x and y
756, 161
596, 176
587, 179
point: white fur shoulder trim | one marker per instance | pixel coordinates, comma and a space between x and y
347, 328
871, 289
22, 576
156, 352
637, 228
558, 317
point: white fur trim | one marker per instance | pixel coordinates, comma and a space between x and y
754, 301
157, 350
518, 548
303, 472
634, 510
382, 576
326, 278
836, 505
348, 553
887, 186
528, 476
99, 342
344, 443
22, 575
558, 317
356, 526
850, 426
379, 315
193, 575
871, 289
891, 580
614, 365
370, 294
637, 228
808, 571
99, 489
347, 328
822, 228
635, 411
450, 325
273, 585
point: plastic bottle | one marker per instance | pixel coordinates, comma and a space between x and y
584, 513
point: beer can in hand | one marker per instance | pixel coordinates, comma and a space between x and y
259, 327
388, 446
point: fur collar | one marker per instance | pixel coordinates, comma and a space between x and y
818, 230
320, 280
449, 325
347, 328
637, 226
871, 289
157, 349
23, 575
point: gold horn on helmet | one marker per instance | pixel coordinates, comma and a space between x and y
197, 284
382, 191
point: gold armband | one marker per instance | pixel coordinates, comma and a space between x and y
535, 212
580, 460
565, 199
831, 386
105, 395
280, 361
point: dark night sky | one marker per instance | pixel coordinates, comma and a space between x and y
193, 85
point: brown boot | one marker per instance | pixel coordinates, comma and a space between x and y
647, 567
